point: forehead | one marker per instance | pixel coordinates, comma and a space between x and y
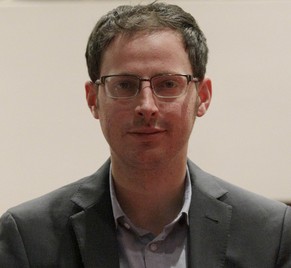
129, 37
159, 48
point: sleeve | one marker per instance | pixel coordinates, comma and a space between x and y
12, 250
284, 256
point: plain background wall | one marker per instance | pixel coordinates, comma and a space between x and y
48, 137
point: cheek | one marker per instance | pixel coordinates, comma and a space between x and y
186, 109
106, 117
180, 117
113, 119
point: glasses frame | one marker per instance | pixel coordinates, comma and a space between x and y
190, 78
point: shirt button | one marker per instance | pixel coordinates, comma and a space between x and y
153, 247
126, 225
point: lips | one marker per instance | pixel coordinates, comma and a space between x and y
146, 131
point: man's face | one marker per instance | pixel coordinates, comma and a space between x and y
146, 131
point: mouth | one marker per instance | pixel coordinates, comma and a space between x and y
147, 131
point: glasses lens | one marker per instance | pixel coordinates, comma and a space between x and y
121, 86
169, 85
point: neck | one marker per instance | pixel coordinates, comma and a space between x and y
151, 198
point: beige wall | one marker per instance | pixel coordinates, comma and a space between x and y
49, 139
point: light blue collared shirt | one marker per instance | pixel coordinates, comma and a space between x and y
138, 248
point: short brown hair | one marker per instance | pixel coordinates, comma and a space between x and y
152, 17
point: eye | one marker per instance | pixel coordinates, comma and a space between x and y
169, 84
124, 83
122, 86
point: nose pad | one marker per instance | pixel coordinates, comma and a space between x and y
144, 83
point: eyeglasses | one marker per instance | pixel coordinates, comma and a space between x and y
128, 86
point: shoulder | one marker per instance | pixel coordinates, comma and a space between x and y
63, 202
40, 229
242, 201
259, 227
51, 205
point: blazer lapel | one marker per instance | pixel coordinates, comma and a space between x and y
96, 239
209, 221
94, 225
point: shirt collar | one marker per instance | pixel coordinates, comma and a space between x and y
119, 213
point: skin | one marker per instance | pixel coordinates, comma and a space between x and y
148, 137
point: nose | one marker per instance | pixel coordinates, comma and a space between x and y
146, 105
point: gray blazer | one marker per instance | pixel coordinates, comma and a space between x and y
74, 227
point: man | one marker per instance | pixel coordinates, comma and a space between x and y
148, 206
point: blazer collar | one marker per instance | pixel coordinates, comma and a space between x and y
209, 221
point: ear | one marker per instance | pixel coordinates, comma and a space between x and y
91, 97
204, 96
